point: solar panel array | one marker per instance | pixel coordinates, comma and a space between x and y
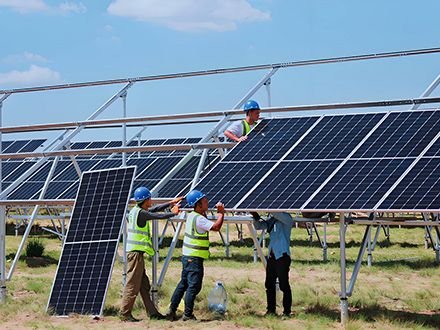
151, 168
333, 162
86, 262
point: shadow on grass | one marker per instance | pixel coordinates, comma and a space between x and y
415, 264
372, 313
35, 262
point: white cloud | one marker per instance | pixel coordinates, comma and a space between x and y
27, 6
24, 6
25, 57
190, 15
77, 8
35, 75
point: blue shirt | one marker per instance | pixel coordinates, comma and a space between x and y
279, 226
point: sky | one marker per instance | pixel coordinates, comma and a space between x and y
46, 42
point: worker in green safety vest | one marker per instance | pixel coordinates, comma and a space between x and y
239, 130
195, 251
138, 243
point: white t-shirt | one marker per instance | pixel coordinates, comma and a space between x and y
203, 225
236, 128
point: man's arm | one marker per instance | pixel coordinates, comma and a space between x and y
259, 223
161, 207
235, 132
145, 216
220, 217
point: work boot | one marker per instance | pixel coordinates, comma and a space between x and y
171, 315
189, 318
157, 316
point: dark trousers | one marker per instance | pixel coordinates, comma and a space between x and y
191, 282
278, 269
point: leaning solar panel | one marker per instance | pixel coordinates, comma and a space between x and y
86, 262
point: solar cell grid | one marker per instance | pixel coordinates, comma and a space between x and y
289, 185
270, 139
359, 184
228, 182
402, 134
420, 189
86, 262
335, 137
82, 278
98, 191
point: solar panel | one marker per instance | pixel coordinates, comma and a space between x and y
420, 189
86, 262
329, 162
359, 184
402, 134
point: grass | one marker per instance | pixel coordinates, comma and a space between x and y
400, 291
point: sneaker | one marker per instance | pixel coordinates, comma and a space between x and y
286, 316
270, 313
189, 318
128, 318
171, 315
157, 316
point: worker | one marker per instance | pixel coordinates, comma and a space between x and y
239, 129
139, 242
195, 251
279, 227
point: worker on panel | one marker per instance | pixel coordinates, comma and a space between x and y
139, 242
195, 251
279, 227
239, 129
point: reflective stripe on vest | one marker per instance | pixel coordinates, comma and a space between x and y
246, 127
195, 244
138, 239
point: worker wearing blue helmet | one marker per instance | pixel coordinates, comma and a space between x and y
138, 243
195, 251
239, 130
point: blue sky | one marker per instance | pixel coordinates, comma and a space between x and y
51, 42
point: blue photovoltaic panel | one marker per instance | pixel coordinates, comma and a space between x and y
19, 170
289, 185
82, 278
145, 183
100, 205
359, 184
270, 139
159, 168
419, 190
434, 150
26, 190
335, 137
229, 182
86, 262
402, 134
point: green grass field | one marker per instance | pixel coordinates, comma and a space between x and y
400, 291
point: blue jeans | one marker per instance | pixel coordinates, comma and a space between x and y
191, 282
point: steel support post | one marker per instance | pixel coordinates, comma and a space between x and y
171, 250
2, 254
428, 91
227, 244
324, 246
124, 128
343, 292
155, 258
358, 263
124, 251
253, 233
369, 245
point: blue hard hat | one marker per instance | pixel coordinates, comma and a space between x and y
251, 105
193, 197
141, 194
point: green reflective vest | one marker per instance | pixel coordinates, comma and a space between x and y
195, 244
138, 239
246, 127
